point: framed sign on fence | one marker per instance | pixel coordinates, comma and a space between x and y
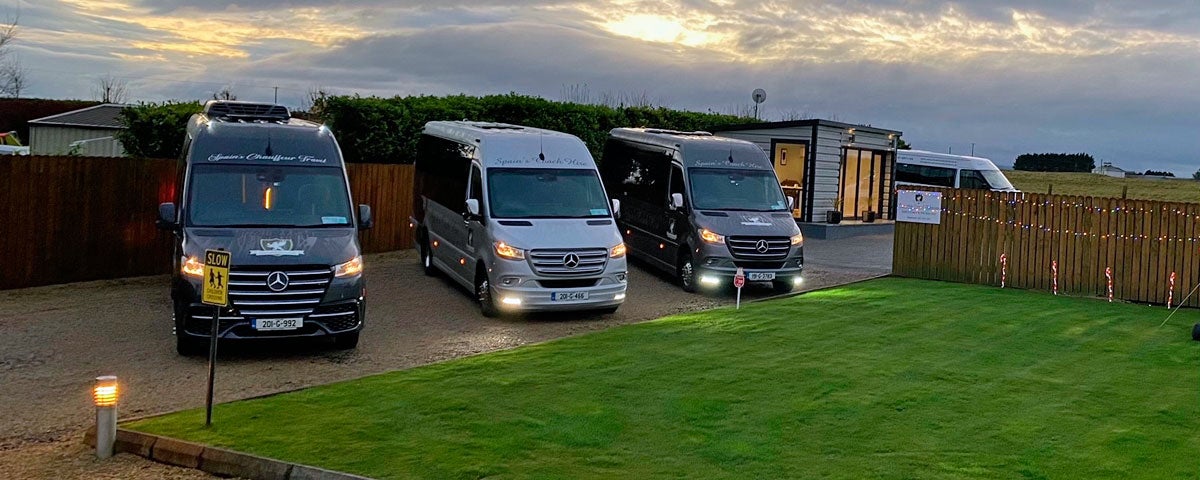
919, 206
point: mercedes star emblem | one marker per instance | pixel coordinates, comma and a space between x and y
761, 246
277, 281
571, 260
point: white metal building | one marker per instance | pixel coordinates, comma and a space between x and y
88, 132
826, 165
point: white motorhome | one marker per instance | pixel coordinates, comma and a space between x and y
519, 216
931, 169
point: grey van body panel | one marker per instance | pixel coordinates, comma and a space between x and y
328, 305
465, 245
661, 235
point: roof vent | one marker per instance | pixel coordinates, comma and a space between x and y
246, 111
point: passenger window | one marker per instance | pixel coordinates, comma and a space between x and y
677, 185
647, 176
972, 179
476, 186
926, 175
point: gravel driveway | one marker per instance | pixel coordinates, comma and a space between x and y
55, 340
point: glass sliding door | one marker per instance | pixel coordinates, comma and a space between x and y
863, 186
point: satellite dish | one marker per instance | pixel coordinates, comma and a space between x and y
759, 95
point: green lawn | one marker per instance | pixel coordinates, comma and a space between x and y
1093, 185
892, 378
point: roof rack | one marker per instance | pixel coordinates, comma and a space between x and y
676, 132
246, 111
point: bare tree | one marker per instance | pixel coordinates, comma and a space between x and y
576, 93
314, 102
225, 93
13, 77
791, 115
110, 89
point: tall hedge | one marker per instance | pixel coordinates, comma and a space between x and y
156, 130
385, 130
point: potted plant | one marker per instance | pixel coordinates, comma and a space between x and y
834, 216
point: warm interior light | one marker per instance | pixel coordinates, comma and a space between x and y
710, 236
104, 394
617, 251
192, 267
269, 198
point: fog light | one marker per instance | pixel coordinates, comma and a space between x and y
711, 261
509, 281
709, 280
621, 277
511, 301
104, 396
797, 281
619, 296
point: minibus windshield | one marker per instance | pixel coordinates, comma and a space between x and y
736, 189
545, 193
267, 196
997, 180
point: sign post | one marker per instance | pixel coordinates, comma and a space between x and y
739, 280
215, 293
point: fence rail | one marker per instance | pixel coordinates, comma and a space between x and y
67, 219
1140, 242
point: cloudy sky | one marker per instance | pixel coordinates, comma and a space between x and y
1115, 79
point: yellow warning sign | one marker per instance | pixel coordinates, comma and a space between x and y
216, 278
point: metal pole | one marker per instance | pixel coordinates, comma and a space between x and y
756, 111
212, 365
106, 416
276, 94
739, 299
972, 149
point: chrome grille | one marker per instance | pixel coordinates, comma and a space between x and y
251, 297
553, 262
748, 248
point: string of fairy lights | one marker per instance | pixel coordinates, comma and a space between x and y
1112, 212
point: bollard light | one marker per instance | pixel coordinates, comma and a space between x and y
105, 395
105, 392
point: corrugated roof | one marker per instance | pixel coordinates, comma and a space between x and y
99, 116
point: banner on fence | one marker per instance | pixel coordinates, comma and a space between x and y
919, 206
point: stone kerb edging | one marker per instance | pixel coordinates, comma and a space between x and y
217, 461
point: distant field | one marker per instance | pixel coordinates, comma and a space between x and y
1089, 184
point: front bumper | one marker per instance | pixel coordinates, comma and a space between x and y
715, 266
341, 310
516, 287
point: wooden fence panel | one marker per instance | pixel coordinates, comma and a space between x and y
68, 219
1143, 242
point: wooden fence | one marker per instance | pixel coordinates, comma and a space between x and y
67, 219
1140, 242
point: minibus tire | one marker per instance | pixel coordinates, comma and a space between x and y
483, 295
190, 347
686, 273
427, 257
346, 341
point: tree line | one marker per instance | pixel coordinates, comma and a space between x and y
1055, 162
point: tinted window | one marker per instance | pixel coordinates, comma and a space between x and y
545, 193
441, 173
476, 184
633, 173
251, 195
677, 184
972, 179
926, 175
736, 189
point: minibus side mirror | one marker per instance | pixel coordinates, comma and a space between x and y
676, 201
472, 209
791, 202
616, 208
166, 217
365, 222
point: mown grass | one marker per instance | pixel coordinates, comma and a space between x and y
892, 378
1089, 184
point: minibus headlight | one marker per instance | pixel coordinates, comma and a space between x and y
191, 267
797, 239
504, 250
617, 251
710, 236
349, 269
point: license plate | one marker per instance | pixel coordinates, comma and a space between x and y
568, 296
263, 324
760, 276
